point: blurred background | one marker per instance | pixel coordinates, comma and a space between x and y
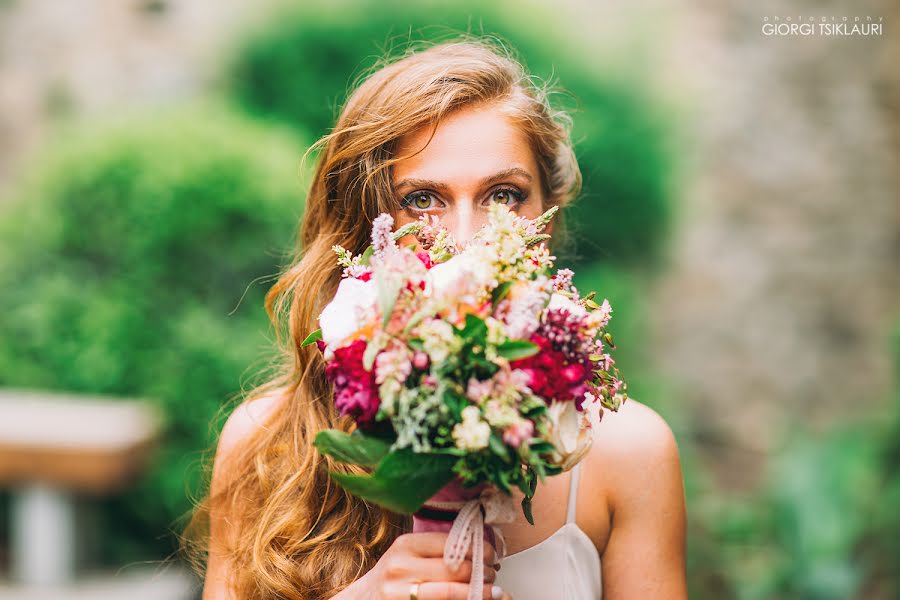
740, 211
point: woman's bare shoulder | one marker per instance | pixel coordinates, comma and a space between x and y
635, 432
635, 456
243, 421
636, 467
633, 451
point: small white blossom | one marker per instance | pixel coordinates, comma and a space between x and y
562, 281
473, 433
500, 415
438, 339
561, 302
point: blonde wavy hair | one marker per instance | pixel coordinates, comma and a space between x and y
293, 533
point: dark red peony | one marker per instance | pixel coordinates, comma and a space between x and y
355, 390
561, 370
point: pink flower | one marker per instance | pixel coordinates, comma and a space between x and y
575, 373
517, 433
355, 390
382, 231
477, 391
393, 363
425, 258
562, 281
420, 360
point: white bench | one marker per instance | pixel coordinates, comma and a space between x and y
53, 446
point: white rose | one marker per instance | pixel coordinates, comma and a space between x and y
352, 308
462, 274
559, 301
568, 434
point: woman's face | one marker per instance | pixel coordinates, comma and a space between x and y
477, 157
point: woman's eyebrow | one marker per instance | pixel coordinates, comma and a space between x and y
443, 187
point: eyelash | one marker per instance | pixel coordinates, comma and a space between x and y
518, 197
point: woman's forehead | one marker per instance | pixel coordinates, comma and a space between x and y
470, 144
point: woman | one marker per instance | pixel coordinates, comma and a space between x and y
446, 130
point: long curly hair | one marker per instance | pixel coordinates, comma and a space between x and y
293, 533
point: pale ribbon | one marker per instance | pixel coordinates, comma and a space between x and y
468, 529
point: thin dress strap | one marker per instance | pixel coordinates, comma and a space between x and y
573, 493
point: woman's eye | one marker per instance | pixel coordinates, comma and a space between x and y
508, 196
418, 201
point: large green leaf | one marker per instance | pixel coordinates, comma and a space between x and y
356, 448
403, 481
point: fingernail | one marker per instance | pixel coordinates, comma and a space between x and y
496, 592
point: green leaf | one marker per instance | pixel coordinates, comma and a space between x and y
366, 255
607, 337
408, 229
474, 327
516, 349
526, 510
498, 447
403, 481
532, 482
311, 338
541, 221
356, 448
372, 349
531, 240
503, 481
387, 288
500, 292
542, 447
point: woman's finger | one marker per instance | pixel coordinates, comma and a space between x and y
434, 569
427, 544
430, 544
450, 590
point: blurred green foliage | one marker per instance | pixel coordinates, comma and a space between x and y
298, 66
123, 261
824, 526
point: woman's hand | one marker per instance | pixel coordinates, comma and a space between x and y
418, 557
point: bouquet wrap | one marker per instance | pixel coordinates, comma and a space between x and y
470, 516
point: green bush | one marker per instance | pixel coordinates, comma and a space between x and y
882, 542
130, 262
297, 69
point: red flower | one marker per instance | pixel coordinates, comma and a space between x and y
553, 375
425, 258
355, 390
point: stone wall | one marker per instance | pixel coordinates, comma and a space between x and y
782, 287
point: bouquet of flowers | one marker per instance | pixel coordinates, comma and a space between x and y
468, 371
